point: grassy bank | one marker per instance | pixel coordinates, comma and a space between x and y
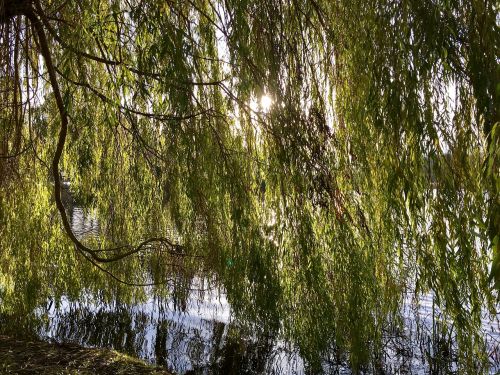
35, 357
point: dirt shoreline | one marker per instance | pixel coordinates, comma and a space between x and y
23, 356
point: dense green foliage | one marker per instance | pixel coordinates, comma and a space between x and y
373, 172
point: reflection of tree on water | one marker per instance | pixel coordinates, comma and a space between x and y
163, 334
162, 330
245, 356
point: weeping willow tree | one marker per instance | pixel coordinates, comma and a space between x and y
325, 157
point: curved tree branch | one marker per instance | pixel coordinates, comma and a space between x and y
109, 62
94, 254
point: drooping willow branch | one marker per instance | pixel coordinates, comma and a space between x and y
111, 62
125, 251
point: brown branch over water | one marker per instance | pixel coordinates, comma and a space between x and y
124, 251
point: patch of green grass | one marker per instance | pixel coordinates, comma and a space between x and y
19, 356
